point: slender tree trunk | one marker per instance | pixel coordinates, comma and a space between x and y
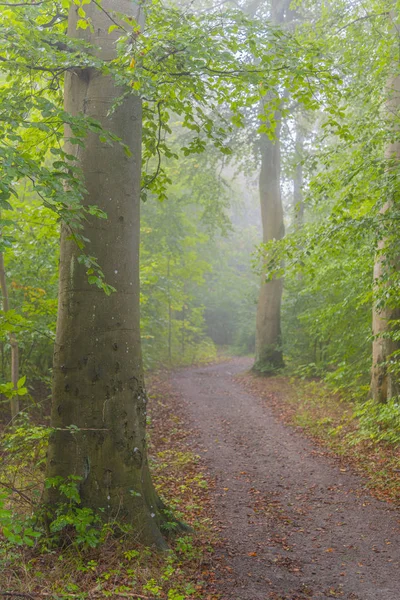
14, 402
252, 7
183, 331
298, 178
384, 319
269, 356
98, 377
169, 316
383, 381
184, 323
268, 321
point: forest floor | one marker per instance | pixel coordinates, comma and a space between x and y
294, 521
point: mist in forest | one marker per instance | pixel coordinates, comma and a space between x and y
199, 299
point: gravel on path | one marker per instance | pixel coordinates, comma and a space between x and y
294, 524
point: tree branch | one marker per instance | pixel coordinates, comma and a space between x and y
55, 71
364, 18
99, 6
148, 184
11, 5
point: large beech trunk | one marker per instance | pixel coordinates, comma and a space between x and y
268, 321
98, 387
269, 356
383, 381
386, 318
384, 384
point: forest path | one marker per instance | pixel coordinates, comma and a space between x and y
294, 524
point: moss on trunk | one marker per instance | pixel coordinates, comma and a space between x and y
99, 400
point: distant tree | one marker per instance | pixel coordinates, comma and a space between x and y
386, 312
269, 355
351, 193
298, 200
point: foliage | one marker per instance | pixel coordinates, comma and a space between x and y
201, 67
181, 63
196, 279
172, 270
230, 295
328, 259
9, 391
80, 524
317, 312
379, 422
15, 530
31, 270
23, 448
200, 75
31, 563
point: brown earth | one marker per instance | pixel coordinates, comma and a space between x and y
294, 523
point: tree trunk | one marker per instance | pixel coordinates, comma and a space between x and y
14, 402
98, 382
383, 381
269, 355
298, 179
268, 322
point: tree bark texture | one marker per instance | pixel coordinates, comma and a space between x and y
98, 377
268, 321
385, 318
269, 355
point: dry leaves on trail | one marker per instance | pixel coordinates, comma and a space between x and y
319, 412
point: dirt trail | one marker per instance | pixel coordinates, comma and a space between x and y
295, 526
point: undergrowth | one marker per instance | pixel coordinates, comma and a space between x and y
96, 563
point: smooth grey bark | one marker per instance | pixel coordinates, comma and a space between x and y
98, 382
385, 319
298, 178
269, 355
268, 320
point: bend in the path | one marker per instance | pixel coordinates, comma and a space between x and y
295, 526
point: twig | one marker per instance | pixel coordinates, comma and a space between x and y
48, 594
160, 124
363, 18
16, 594
58, 17
120, 594
23, 496
109, 16
73, 430
11, 5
